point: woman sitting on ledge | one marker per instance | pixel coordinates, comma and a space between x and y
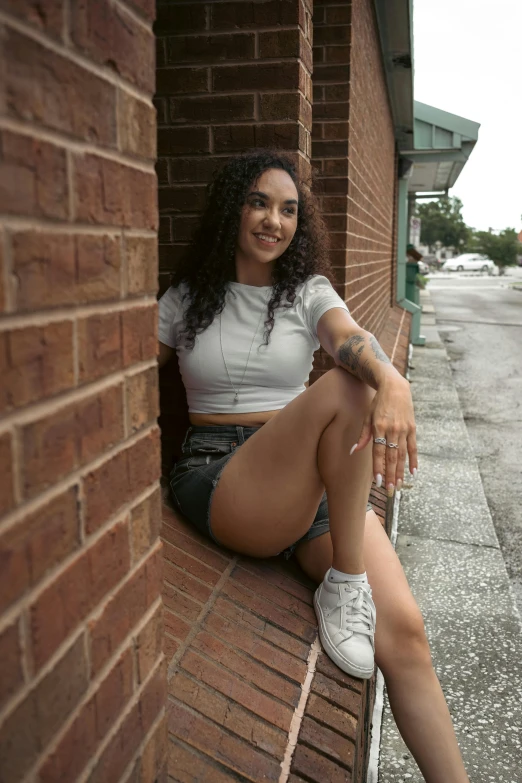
269, 465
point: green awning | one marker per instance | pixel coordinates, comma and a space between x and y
443, 143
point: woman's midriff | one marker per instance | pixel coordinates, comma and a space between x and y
237, 419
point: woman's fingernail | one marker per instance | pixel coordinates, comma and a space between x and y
399, 483
378, 480
390, 490
414, 473
353, 449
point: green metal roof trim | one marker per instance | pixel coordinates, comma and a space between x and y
448, 128
437, 142
443, 143
395, 21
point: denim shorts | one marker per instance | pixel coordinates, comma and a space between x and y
205, 452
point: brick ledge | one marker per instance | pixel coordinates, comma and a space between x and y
238, 633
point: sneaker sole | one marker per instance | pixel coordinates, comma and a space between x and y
328, 647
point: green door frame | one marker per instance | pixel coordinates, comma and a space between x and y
402, 243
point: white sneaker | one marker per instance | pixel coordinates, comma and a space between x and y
346, 615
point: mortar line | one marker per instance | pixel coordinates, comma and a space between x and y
297, 718
38, 410
68, 53
67, 312
399, 330
34, 593
49, 494
30, 223
70, 144
173, 665
139, 753
116, 727
135, 16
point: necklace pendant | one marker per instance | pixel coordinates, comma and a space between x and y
236, 397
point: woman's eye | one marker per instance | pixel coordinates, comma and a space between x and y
257, 202
290, 210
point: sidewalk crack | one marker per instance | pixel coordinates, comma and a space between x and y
496, 547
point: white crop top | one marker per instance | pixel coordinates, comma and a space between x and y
276, 373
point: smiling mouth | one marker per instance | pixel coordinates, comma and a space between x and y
267, 239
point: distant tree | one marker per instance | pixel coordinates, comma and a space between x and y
503, 248
442, 221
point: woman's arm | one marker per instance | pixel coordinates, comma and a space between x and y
391, 413
165, 354
355, 349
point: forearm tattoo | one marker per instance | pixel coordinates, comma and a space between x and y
353, 356
379, 353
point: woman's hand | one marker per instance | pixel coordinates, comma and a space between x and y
391, 418
391, 413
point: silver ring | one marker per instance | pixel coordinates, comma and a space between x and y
380, 440
393, 445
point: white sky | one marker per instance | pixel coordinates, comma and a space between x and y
468, 61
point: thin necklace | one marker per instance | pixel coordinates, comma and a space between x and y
236, 395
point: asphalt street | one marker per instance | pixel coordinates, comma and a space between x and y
479, 319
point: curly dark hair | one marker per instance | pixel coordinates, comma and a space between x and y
209, 263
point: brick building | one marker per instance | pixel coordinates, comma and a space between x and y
83, 643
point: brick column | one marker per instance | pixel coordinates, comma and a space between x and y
353, 153
230, 76
82, 689
331, 96
331, 104
372, 176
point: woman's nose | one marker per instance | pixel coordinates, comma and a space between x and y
272, 218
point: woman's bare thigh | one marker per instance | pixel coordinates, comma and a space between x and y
269, 491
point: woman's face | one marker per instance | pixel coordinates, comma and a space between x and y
268, 219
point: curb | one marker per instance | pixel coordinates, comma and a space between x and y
378, 706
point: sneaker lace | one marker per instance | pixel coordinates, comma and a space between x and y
358, 615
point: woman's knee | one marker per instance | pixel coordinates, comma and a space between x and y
402, 641
346, 392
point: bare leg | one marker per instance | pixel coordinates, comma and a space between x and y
269, 491
402, 654
343, 505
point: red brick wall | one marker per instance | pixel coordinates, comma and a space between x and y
331, 103
230, 76
353, 154
372, 177
82, 686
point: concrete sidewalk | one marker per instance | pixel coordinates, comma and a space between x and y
449, 550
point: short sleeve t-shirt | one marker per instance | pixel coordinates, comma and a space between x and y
229, 359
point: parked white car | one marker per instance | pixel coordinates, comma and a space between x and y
468, 262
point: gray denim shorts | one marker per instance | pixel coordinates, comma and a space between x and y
205, 452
